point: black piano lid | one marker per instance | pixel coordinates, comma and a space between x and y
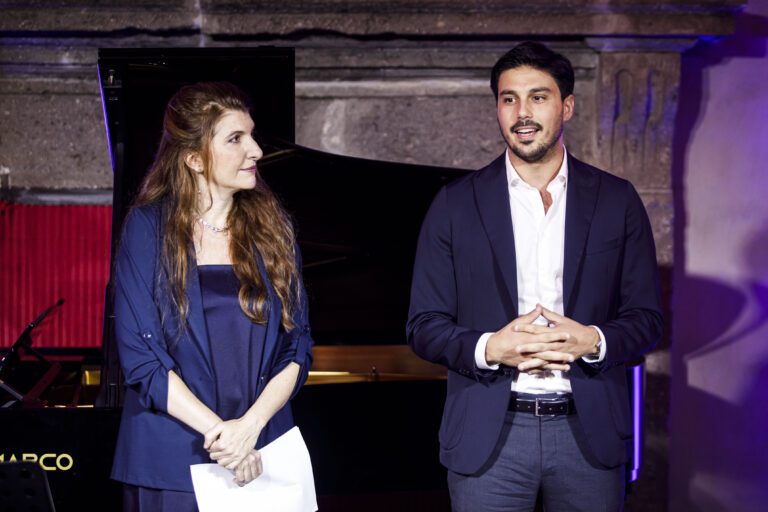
357, 222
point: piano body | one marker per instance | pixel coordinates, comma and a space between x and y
370, 411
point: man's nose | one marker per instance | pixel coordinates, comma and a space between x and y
523, 112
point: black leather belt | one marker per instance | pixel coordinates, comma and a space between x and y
542, 406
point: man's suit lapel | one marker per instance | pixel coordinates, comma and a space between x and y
582, 199
492, 200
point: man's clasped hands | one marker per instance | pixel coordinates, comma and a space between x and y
534, 348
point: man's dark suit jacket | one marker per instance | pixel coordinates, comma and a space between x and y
465, 284
154, 449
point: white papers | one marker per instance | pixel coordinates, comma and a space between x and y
286, 485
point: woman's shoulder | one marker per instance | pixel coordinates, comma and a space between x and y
142, 221
149, 210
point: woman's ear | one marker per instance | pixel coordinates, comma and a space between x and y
194, 162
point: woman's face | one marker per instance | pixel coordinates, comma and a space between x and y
234, 154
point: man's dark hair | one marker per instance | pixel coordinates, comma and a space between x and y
537, 56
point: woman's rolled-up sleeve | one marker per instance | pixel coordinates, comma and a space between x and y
143, 353
296, 344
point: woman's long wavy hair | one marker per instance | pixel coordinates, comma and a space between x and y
256, 217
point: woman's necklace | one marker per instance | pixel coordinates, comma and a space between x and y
211, 226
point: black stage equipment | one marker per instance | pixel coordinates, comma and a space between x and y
24, 486
22, 386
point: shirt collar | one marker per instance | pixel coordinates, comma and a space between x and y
514, 179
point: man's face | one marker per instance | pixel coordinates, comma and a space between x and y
531, 113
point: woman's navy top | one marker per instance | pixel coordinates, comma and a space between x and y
235, 340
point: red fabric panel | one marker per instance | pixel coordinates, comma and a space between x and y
52, 252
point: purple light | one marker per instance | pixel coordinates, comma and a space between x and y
106, 121
638, 383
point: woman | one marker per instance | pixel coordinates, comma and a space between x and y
210, 313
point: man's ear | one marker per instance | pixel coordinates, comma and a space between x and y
194, 161
568, 104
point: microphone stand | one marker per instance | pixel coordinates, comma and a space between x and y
24, 343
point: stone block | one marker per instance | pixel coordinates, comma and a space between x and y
97, 16
451, 132
72, 58
660, 210
53, 134
463, 18
636, 115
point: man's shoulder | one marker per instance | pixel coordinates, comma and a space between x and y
606, 178
465, 184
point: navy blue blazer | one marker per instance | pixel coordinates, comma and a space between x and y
465, 284
154, 449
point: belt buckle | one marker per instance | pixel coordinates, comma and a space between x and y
544, 401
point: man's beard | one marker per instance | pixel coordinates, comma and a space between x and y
538, 153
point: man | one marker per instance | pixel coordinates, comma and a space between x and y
535, 280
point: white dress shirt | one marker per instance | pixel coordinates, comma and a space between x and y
539, 250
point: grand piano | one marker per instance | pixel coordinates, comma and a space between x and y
370, 411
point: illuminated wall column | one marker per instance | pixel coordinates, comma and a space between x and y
636, 105
636, 108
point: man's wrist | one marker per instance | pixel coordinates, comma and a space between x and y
600, 348
490, 359
595, 344
481, 353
